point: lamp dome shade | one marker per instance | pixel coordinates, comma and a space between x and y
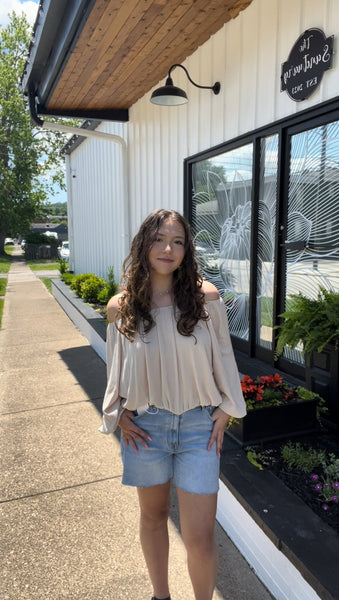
169, 95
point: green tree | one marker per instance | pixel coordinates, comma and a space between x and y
30, 161
59, 208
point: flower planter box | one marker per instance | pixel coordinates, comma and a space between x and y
322, 377
92, 325
275, 422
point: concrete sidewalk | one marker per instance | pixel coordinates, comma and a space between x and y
69, 528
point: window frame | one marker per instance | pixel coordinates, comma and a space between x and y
308, 119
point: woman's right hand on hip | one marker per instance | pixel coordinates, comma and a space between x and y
131, 432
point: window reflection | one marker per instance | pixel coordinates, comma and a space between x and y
222, 188
266, 240
312, 245
222, 223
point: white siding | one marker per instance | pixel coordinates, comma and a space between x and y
98, 235
245, 56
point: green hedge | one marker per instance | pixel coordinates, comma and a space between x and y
67, 277
91, 288
41, 238
78, 281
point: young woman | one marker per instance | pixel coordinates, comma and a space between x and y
172, 386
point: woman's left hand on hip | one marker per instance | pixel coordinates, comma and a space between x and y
220, 420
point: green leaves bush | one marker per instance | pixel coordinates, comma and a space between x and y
78, 280
40, 238
68, 277
110, 289
315, 323
93, 289
63, 266
305, 459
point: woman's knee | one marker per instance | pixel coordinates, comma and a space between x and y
200, 543
155, 516
154, 506
197, 517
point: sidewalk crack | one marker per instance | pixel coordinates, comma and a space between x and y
62, 489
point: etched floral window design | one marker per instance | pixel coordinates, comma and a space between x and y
222, 190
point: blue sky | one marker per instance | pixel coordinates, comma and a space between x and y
29, 7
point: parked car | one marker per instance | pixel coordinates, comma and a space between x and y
9, 242
52, 234
63, 251
23, 244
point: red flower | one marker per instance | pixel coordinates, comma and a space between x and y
267, 390
260, 392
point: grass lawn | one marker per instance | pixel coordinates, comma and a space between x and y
47, 282
1, 309
5, 263
42, 265
3, 284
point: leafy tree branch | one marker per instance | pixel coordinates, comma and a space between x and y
30, 162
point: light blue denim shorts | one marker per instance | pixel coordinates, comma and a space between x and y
178, 451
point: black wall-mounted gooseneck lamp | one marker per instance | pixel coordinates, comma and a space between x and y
170, 95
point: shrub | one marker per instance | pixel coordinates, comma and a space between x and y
91, 287
103, 295
112, 285
40, 238
68, 278
110, 289
63, 266
78, 280
305, 459
315, 323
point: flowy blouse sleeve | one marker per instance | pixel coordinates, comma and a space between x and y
225, 370
113, 404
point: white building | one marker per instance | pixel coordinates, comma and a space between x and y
255, 168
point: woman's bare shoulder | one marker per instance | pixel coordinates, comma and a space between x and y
210, 291
113, 308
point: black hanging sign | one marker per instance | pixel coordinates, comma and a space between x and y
310, 56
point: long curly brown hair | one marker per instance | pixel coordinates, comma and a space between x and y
135, 302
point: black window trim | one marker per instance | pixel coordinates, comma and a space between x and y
309, 118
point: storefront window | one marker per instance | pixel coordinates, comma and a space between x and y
265, 215
222, 189
312, 244
266, 239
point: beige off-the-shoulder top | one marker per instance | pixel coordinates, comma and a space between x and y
171, 371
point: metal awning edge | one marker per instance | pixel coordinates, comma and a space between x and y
121, 115
43, 69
